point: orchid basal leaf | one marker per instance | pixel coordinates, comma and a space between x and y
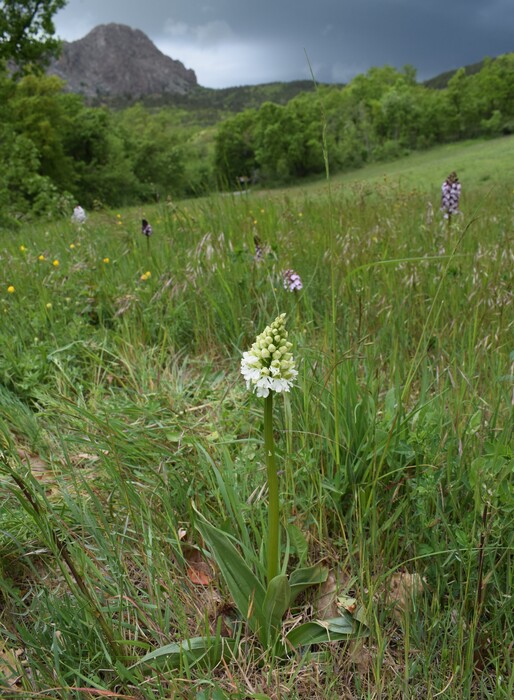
194, 650
276, 602
302, 579
245, 588
316, 632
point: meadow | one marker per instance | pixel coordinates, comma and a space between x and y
125, 422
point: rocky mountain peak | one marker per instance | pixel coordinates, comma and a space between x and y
114, 60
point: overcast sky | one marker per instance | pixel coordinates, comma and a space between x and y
242, 42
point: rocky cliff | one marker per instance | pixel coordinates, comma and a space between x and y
114, 60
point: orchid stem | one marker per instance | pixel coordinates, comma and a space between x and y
273, 501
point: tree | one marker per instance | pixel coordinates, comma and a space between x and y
27, 32
41, 112
235, 150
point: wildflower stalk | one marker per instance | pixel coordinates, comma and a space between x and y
331, 247
146, 230
450, 196
269, 367
273, 498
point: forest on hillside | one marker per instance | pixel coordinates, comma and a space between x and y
57, 150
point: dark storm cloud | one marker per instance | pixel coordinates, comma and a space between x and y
236, 42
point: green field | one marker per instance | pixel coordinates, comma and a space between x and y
478, 164
126, 425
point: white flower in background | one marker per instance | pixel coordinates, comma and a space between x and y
79, 215
269, 364
292, 281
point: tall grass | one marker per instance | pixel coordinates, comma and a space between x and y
122, 407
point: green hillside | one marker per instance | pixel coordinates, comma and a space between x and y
234, 99
479, 164
56, 149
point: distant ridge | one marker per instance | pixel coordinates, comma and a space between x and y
114, 60
117, 65
439, 82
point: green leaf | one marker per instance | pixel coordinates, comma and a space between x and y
276, 602
298, 541
192, 649
214, 694
319, 631
474, 423
390, 405
303, 578
230, 499
245, 588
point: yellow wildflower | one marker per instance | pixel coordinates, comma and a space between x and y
22, 248
41, 257
106, 260
55, 263
72, 245
11, 289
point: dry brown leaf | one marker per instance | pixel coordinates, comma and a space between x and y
325, 603
51, 475
360, 656
400, 591
36, 464
95, 693
87, 456
198, 570
9, 664
347, 603
199, 573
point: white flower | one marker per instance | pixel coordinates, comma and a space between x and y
79, 215
269, 364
